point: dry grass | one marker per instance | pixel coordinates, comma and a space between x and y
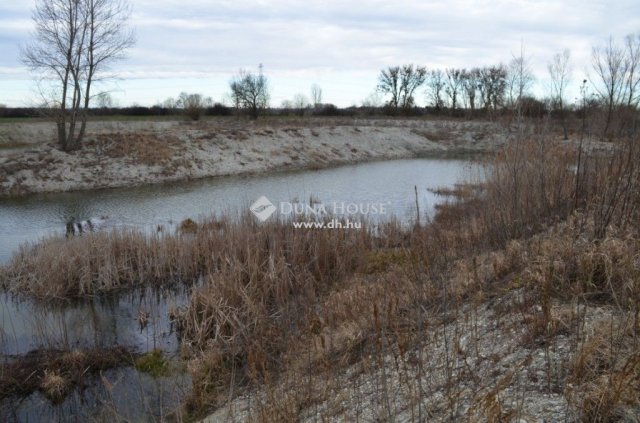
53, 385
55, 373
604, 378
139, 147
492, 303
528, 242
247, 251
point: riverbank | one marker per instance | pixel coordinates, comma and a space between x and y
123, 154
518, 302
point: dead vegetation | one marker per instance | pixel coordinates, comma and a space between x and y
147, 149
55, 373
519, 301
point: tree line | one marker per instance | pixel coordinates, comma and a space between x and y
612, 85
76, 41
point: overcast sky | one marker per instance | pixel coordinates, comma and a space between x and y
197, 45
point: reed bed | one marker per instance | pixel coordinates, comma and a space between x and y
520, 298
532, 248
101, 262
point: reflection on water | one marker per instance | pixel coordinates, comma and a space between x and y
106, 321
98, 322
124, 394
117, 395
392, 182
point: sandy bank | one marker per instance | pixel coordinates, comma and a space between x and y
118, 154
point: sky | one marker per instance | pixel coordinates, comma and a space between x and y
198, 45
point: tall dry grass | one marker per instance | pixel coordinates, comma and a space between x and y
549, 239
105, 261
510, 281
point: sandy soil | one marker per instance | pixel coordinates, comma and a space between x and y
120, 154
490, 374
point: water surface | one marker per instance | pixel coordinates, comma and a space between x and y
392, 182
111, 320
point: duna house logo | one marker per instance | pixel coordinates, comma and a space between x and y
263, 208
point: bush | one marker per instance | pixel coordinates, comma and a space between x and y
194, 105
218, 110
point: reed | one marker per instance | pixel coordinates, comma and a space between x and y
524, 289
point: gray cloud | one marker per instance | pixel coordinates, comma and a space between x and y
303, 42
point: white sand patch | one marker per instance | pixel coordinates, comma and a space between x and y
120, 154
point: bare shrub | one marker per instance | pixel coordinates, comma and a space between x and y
194, 105
142, 148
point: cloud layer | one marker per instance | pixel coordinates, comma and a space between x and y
340, 44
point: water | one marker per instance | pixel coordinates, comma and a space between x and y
29, 219
99, 322
113, 320
124, 394
117, 395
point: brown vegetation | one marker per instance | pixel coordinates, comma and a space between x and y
532, 249
150, 150
55, 372
520, 299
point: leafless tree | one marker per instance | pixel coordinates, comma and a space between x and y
300, 103
401, 82
193, 104
250, 92
74, 42
470, 85
389, 83
410, 80
373, 100
632, 47
454, 85
104, 100
610, 66
170, 103
316, 95
435, 88
492, 86
559, 74
520, 79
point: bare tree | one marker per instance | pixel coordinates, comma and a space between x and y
104, 100
170, 103
492, 86
193, 104
373, 100
250, 92
470, 85
389, 83
401, 82
410, 80
435, 88
610, 67
316, 95
74, 41
559, 74
300, 103
520, 79
454, 85
632, 47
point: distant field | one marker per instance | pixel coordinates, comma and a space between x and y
102, 119
21, 120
